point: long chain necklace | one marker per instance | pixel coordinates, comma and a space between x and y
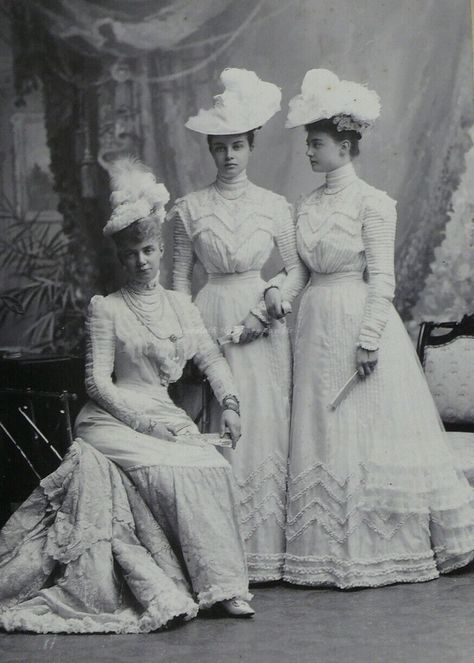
143, 310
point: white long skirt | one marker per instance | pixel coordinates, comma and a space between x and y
97, 549
262, 372
189, 489
374, 495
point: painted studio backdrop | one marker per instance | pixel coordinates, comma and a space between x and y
85, 80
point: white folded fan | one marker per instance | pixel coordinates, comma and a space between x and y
342, 393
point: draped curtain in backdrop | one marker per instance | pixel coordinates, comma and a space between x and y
123, 75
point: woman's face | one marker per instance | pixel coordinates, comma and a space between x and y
231, 154
141, 260
325, 153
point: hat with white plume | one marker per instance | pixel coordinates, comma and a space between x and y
247, 103
324, 96
135, 194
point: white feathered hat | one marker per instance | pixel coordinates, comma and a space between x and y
135, 194
247, 103
324, 96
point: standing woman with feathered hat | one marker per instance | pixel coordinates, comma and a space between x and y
231, 227
374, 495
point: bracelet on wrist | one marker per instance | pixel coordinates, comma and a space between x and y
269, 287
367, 347
231, 403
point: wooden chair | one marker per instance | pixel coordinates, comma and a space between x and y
446, 351
193, 389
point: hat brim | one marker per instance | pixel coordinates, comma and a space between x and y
211, 130
309, 120
223, 132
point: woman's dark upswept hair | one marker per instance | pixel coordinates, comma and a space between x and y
138, 231
328, 127
250, 137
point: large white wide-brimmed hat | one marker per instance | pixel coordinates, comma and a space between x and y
135, 195
324, 96
247, 103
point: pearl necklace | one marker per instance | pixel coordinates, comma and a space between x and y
145, 310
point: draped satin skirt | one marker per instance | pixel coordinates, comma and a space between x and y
127, 534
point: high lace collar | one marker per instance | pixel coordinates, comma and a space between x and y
340, 178
232, 188
152, 287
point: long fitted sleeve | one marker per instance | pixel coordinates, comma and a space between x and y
294, 277
296, 272
378, 235
209, 359
183, 253
101, 339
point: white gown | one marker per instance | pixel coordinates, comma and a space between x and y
374, 496
126, 546
231, 230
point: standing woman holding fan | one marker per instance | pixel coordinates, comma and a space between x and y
374, 495
231, 227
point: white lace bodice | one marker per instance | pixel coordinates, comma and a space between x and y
233, 229
345, 226
144, 363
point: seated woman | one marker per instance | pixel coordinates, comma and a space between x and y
128, 545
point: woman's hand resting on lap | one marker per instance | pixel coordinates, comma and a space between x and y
230, 421
161, 432
366, 361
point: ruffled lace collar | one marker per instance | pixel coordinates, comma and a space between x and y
339, 179
232, 188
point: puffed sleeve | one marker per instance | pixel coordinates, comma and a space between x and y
100, 356
295, 275
208, 357
378, 236
183, 254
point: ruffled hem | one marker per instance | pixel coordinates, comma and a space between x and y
153, 619
314, 571
451, 559
327, 580
376, 572
265, 568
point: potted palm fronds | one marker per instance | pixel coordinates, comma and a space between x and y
43, 297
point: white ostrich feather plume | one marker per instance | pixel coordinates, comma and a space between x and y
135, 194
246, 103
324, 96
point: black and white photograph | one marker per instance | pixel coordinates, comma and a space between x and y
236, 331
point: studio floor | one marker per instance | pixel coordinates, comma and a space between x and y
423, 623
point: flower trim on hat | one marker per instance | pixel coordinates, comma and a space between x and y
324, 96
347, 123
